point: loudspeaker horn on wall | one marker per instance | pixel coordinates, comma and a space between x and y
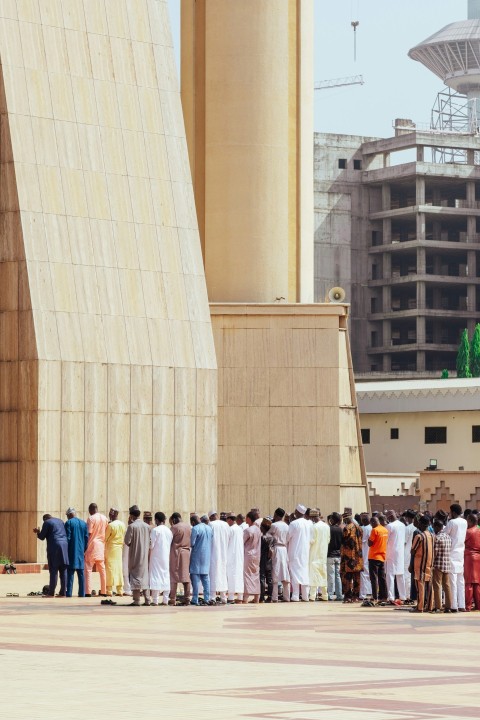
335, 295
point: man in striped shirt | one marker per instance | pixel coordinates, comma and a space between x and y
441, 567
422, 559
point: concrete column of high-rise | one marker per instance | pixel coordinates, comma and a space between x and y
387, 231
386, 266
421, 261
471, 295
247, 93
421, 296
421, 364
471, 228
420, 229
386, 299
472, 263
420, 189
386, 333
386, 197
470, 193
421, 327
420, 153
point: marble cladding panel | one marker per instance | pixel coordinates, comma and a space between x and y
108, 372
283, 430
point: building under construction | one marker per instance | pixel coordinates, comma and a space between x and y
397, 220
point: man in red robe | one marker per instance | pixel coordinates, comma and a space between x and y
472, 563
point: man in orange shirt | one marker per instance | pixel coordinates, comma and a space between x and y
377, 544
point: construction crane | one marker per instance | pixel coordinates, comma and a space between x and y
339, 82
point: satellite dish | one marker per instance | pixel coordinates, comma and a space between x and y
335, 295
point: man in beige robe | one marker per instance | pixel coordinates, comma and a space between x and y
114, 537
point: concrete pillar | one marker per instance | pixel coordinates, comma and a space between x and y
420, 153
387, 299
420, 360
247, 93
421, 223
471, 295
421, 261
472, 263
421, 334
471, 228
387, 231
387, 333
387, 362
421, 296
470, 193
386, 266
386, 197
420, 189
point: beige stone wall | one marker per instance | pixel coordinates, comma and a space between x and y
247, 93
409, 453
108, 370
288, 430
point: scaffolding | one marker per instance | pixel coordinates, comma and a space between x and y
453, 113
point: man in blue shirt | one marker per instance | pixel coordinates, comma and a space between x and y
201, 544
53, 531
77, 538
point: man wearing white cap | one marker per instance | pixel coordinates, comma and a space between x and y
219, 557
298, 548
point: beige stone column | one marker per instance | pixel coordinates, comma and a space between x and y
247, 93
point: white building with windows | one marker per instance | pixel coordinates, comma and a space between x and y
410, 425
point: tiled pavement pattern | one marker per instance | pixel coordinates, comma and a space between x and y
278, 662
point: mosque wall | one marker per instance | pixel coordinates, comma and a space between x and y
108, 387
288, 429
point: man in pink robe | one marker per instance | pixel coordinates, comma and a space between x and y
95, 553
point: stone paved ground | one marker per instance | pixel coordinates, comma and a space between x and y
76, 659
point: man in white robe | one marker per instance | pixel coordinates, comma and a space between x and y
219, 557
159, 562
298, 549
320, 537
280, 573
365, 584
457, 529
409, 530
395, 558
235, 560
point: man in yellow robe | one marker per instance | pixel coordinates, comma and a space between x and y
319, 540
114, 537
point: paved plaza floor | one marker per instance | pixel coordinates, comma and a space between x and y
75, 658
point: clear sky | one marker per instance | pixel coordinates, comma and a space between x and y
395, 86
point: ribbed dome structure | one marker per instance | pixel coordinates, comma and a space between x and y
453, 54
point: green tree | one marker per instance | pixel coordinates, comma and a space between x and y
463, 357
444, 375
475, 352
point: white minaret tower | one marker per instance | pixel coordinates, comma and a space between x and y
453, 54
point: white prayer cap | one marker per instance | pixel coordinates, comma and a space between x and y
301, 509
212, 512
70, 511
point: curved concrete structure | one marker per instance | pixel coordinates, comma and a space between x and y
107, 363
247, 92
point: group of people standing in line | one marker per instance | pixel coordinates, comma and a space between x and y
223, 558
